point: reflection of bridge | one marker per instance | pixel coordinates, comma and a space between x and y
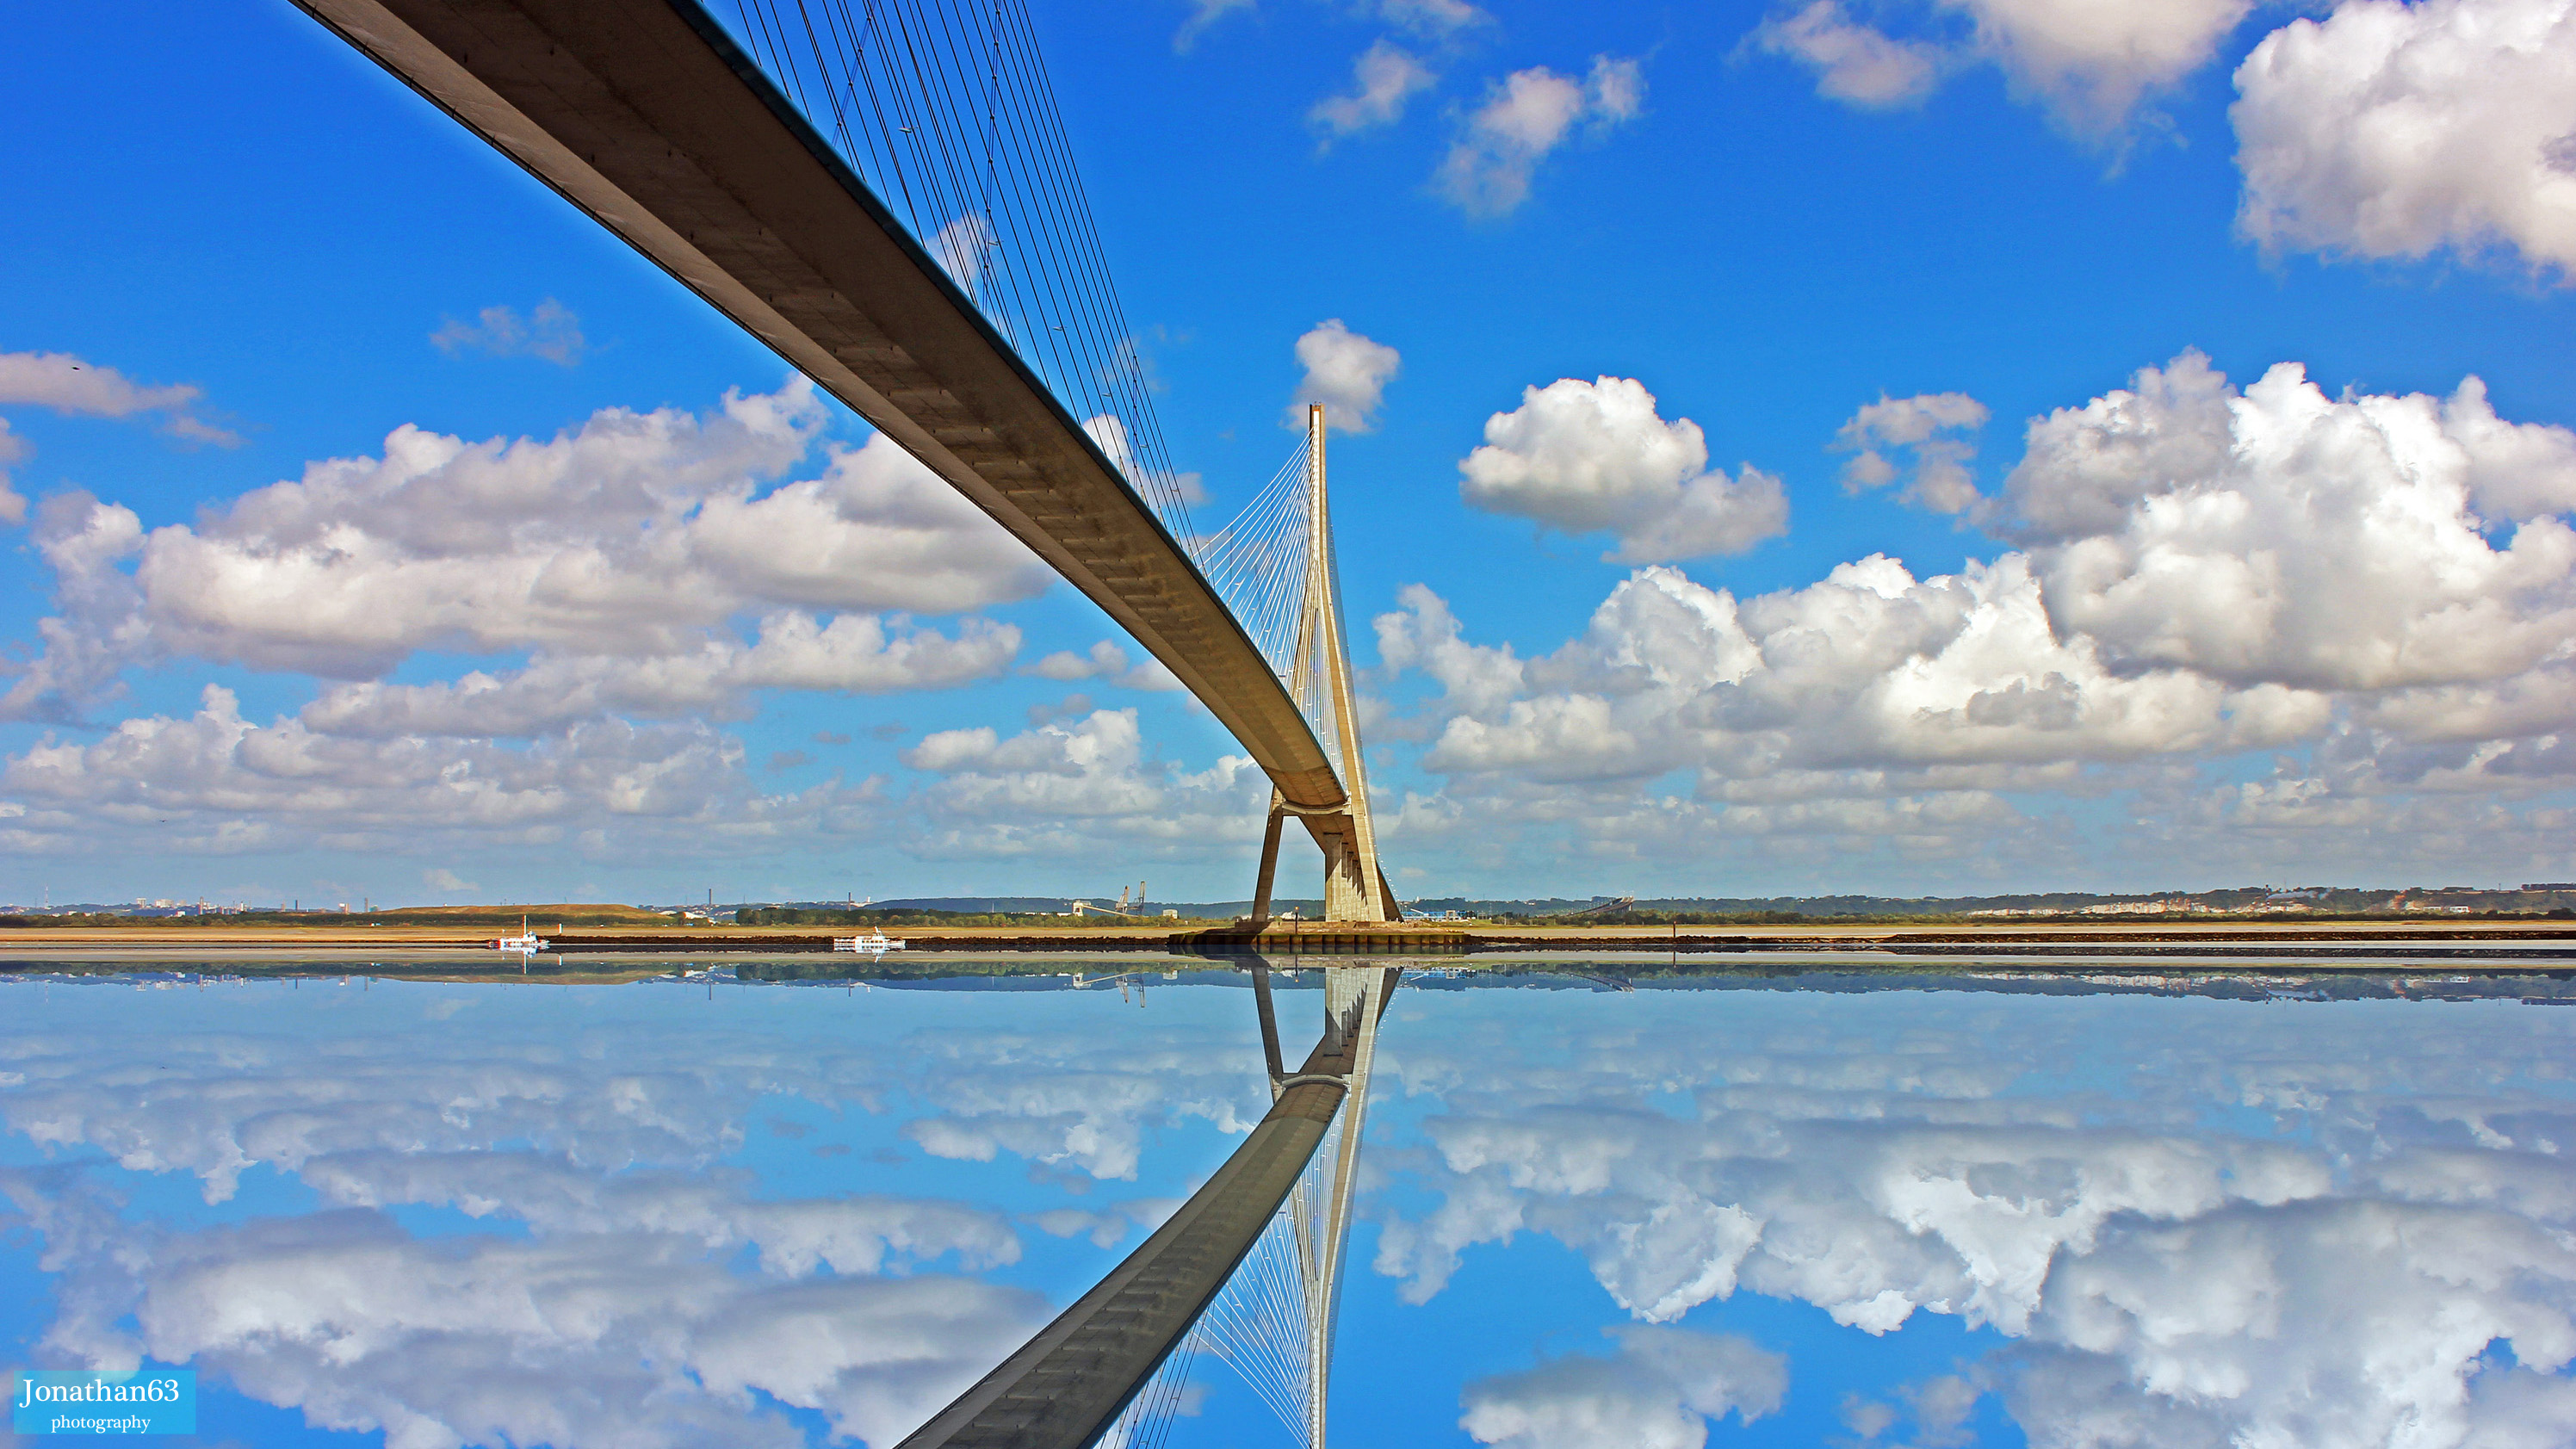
1249, 1269
979, 339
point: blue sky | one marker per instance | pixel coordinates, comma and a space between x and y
652, 1214
2193, 632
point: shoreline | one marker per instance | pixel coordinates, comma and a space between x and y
2244, 981
2246, 948
1309, 935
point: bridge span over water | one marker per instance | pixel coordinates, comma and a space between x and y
740, 159
652, 117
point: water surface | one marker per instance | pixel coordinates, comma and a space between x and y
1860, 1209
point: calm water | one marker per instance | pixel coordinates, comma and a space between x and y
682, 1214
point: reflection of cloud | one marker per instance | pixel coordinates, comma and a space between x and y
550, 1195
631, 1289
2336, 1322
1658, 1392
1053, 1101
2329, 1271
605, 1338
1111, 1224
223, 1102
2196, 1222
416, 1115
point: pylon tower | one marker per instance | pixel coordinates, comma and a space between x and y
1319, 679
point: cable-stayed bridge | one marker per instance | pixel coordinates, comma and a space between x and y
881, 192
763, 163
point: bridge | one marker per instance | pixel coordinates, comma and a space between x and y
652, 117
761, 165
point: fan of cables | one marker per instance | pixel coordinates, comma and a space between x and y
944, 109
1258, 564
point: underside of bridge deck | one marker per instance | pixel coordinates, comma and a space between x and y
644, 114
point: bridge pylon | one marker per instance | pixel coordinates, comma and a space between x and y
1319, 679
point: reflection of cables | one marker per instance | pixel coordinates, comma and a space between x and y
1257, 1324
945, 109
1269, 1321
1146, 1422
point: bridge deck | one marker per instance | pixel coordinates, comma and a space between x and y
644, 114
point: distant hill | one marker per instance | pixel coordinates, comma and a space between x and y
570, 913
979, 905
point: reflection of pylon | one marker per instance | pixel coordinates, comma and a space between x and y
1356, 997
1319, 679
1273, 1321
1250, 1268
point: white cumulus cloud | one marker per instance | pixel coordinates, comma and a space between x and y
2095, 65
13, 449
216, 782
2095, 62
853, 654
634, 537
1203, 14
1385, 76
2281, 536
549, 331
1105, 660
1587, 457
1345, 372
1924, 431
1524, 118
1076, 788
2387, 583
2393, 130
71, 385
1853, 62
1433, 18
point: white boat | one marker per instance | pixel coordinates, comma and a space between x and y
874, 944
526, 943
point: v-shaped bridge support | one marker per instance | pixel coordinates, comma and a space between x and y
1319, 679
